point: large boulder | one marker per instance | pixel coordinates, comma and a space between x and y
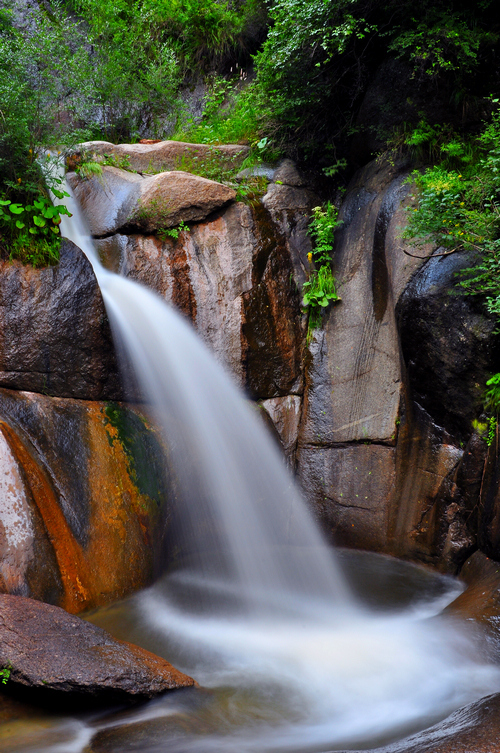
449, 343
107, 200
55, 337
50, 651
167, 199
119, 199
169, 155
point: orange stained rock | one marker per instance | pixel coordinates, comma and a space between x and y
70, 559
116, 558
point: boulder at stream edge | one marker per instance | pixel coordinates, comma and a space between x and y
52, 652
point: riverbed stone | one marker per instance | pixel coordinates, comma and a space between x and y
472, 729
51, 650
55, 337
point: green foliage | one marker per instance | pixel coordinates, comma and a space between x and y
319, 55
492, 395
441, 42
233, 114
457, 201
30, 232
173, 232
89, 169
321, 289
5, 673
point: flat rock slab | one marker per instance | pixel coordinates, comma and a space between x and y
170, 155
51, 650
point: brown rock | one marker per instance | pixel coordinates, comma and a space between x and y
54, 333
170, 155
167, 199
50, 650
481, 599
232, 276
84, 493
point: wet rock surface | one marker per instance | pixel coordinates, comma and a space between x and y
85, 493
50, 650
232, 276
54, 333
480, 601
473, 729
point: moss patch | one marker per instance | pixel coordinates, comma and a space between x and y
145, 458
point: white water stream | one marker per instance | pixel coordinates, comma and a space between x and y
263, 607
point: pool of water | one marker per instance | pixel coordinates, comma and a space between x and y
297, 683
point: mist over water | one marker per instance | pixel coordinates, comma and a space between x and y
261, 606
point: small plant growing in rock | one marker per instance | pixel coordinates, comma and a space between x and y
321, 288
5, 673
172, 232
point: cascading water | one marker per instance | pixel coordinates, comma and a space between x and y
262, 606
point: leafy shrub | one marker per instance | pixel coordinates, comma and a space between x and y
459, 208
321, 289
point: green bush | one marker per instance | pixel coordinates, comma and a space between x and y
321, 288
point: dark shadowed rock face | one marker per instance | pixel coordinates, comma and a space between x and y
448, 343
54, 333
51, 650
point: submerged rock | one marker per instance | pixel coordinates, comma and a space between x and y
51, 650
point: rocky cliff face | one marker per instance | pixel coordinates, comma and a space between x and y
374, 414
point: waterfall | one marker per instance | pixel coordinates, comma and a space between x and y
262, 602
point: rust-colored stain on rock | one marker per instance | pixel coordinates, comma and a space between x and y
114, 556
